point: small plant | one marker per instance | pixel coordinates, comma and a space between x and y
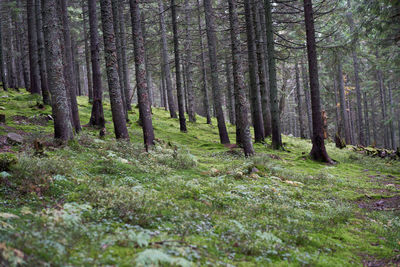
7, 160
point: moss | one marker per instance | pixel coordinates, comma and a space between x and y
7, 160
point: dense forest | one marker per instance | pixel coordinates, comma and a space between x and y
122, 122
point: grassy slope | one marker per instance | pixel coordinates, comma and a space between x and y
188, 200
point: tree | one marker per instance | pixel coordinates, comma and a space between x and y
179, 89
212, 48
242, 124
97, 115
298, 100
318, 151
34, 87
188, 64
142, 90
110, 53
2, 70
54, 63
87, 53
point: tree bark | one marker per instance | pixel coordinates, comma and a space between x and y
206, 101
87, 53
33, 51
345, 124
374, 130
142, 90
165, 62
24, 50
299, 102
212, 47
318, 151
60, 107
391, 116
97, 115
188, 64
2, 70
179, 89
273, 89
125, 67
230, 100
366, 117
110, 51
243, 137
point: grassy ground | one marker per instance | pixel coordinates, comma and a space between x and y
189, 201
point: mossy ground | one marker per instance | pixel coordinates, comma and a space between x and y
189, 201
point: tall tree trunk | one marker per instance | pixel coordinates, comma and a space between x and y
18, 47
41, 54
110, 53
255, 96
87, 53
2, 69
318, 151
165, 62
391, 116
125, 67
299, 102
97, 115
69, 66
343, 105
366, 117
212, 47
242, 123
383, 107
34, 87
206, 101
273, 88
374, 130
142, 91
179, 89
24, 51
230, 100
54, 62
10, 56
146, 61
189, 68
307, 96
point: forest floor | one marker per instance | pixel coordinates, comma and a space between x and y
189, 201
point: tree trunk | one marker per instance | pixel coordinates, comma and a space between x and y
273, 89
345, 124
255, 96
165, 62
142, 90
87, 53
374, 130
230, 100
97, 115
33, 51
24, 50
2, 70
110, 53
125, 68
242, 123
179, 89
203, 68
189, 68
318, 151
60, 107
10, 56
383, 108
299, 102
69, 66
212, 47
366, 117
391, 116
146, 62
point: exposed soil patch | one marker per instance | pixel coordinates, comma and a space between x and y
36, 120
390, 203
370, 261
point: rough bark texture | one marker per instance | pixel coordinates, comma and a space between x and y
2, 70
117, 106
188, 64
142, 90
212, 47
179, 89
318, 151
87, 53
34, 86
374, 130
125, 67
165, 62
255, 96
382, 94
391, 116
242, 123
307, 96
97, 116
273, 89
203, 68
299, 102
42, 55
366, 117
230, 100
24, 50
60, 108
345, 124
69, 67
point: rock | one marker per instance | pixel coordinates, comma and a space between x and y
49, 117
2, 118
254, 169
14, 138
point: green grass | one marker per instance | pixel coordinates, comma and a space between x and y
189, 201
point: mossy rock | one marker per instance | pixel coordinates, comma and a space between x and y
7, 160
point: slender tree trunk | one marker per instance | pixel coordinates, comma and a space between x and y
255, 96
24, 51
60, 108
2, 70
374, 130
97, 116
189, 68
125, 68
87, 53
41, 54
212, 47
10, 57
69, 67
146, 61
142, 90
179, 89
343, 106
242, 123
34, 87
273, 89
230, 100
366, 117
391, 116
203, 68
165, 62
18, 54
318, 151
383, 108
299, 102
110, 53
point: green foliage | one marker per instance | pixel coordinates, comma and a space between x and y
7, 160
154, 257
